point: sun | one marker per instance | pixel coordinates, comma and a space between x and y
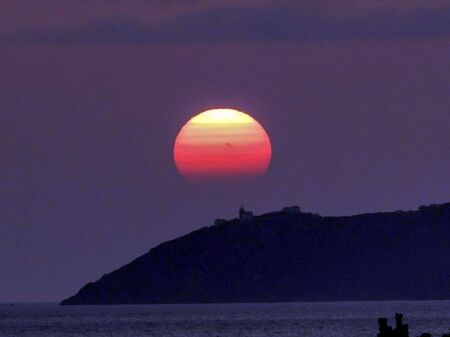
222, 143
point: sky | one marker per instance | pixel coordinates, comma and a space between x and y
353, 94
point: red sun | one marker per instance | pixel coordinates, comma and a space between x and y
222, 143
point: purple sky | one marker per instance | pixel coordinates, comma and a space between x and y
355, 99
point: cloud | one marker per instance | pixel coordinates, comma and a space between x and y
249, 23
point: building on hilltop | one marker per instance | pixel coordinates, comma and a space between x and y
245, 216
291, 210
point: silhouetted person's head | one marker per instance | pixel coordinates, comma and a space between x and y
382, 321
398, 320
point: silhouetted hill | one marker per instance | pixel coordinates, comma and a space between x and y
291, 257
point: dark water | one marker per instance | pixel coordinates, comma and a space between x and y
225, 320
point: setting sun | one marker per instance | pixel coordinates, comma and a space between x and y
222, 143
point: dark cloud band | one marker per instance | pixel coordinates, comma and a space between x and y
243, 23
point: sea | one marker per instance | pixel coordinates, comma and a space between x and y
318, 319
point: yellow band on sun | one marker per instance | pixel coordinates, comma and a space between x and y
219, 116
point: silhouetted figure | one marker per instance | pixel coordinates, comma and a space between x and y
401, 330
384, 329
426, 334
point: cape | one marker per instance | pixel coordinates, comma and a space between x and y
290, 255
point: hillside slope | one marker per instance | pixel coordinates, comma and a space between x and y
291, 257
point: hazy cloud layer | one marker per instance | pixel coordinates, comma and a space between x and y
247, 23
